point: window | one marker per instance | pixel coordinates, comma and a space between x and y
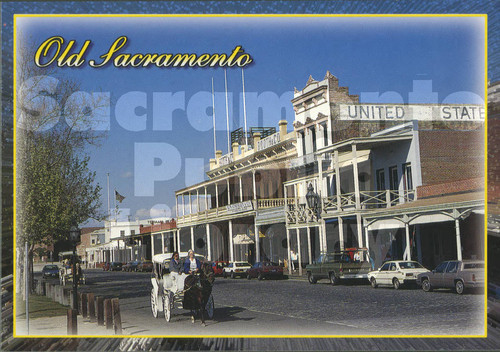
304, 152
385, 267
313, 136
393, 182
440, 268
122, 233
452, 267
380, 174
407, 181
325, 134
132, 232
93, 241
393, 267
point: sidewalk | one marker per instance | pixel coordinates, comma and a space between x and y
57, 326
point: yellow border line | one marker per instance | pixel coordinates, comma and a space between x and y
485, 16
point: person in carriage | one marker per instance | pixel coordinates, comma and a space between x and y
192, 265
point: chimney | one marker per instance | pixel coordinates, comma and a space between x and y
282, 124
235, 146
256, 139
243, 150
213, 163
218, 155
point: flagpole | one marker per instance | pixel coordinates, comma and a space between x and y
116, 209
213, 109
227, 116
244, 108
109, 211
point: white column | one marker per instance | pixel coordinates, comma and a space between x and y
459, 241
257, 242
183, 206
177, 206
355, 176
174, 235
231, 250
254, 186
206, 199
228, 192
209, 249
309, 251
241, 189
179, 240
323, 227
300, 152
299, 254
341, 233
190, 204
288, 251
320, 177
152, 246
163, 242
407, 250
367, 242
359, 225
329, 130
216, 196
337, 178
192, 237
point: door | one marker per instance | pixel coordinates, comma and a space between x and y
449, 274
437, 277
393, 182
383, 274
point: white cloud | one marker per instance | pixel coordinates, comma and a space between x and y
157, 211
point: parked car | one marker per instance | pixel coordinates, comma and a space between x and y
131, 266
340, 265
106, 266
50, 270
396, 273
145, 266
218, 267
236, 269
455, 274
265, 270
115, 266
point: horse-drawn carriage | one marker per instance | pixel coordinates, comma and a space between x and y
174, 290
66, 270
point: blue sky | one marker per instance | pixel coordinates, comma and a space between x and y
369, 55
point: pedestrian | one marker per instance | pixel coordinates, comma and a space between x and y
357, 257
293, 258
191, 265
175, 264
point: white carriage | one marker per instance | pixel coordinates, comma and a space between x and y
168, 288
66, 272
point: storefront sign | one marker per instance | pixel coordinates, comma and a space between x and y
268, 141
239, 207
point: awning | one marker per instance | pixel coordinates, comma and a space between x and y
242, 239
384, 224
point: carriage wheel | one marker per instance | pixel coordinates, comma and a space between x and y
209, 308
167, 306
154, 304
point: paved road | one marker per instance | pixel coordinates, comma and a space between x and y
294, 307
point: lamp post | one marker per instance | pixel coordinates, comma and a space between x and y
313, 200
74, 234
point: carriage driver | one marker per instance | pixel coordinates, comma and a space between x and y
191, 265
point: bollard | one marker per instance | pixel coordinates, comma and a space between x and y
47, 292
60, 294
66, 297
72, 326
53, 292
91, 307
117, 320
44, 288
99, 302
108, 314
84, 305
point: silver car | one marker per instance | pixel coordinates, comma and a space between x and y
455, 274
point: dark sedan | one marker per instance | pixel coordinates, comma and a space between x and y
50, 270
131, 266
115, 266
265, 270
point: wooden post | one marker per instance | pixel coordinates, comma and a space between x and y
108, 314
99, 302
117, 320
72, 326
91, 307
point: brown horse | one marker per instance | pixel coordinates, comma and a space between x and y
197, 291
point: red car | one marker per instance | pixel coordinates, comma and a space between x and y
218, 266
262, 270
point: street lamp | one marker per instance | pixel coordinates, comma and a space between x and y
313, 200
74, 235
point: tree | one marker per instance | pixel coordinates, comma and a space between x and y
55, 189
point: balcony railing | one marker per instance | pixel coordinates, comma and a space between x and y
370, 199
273, 203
